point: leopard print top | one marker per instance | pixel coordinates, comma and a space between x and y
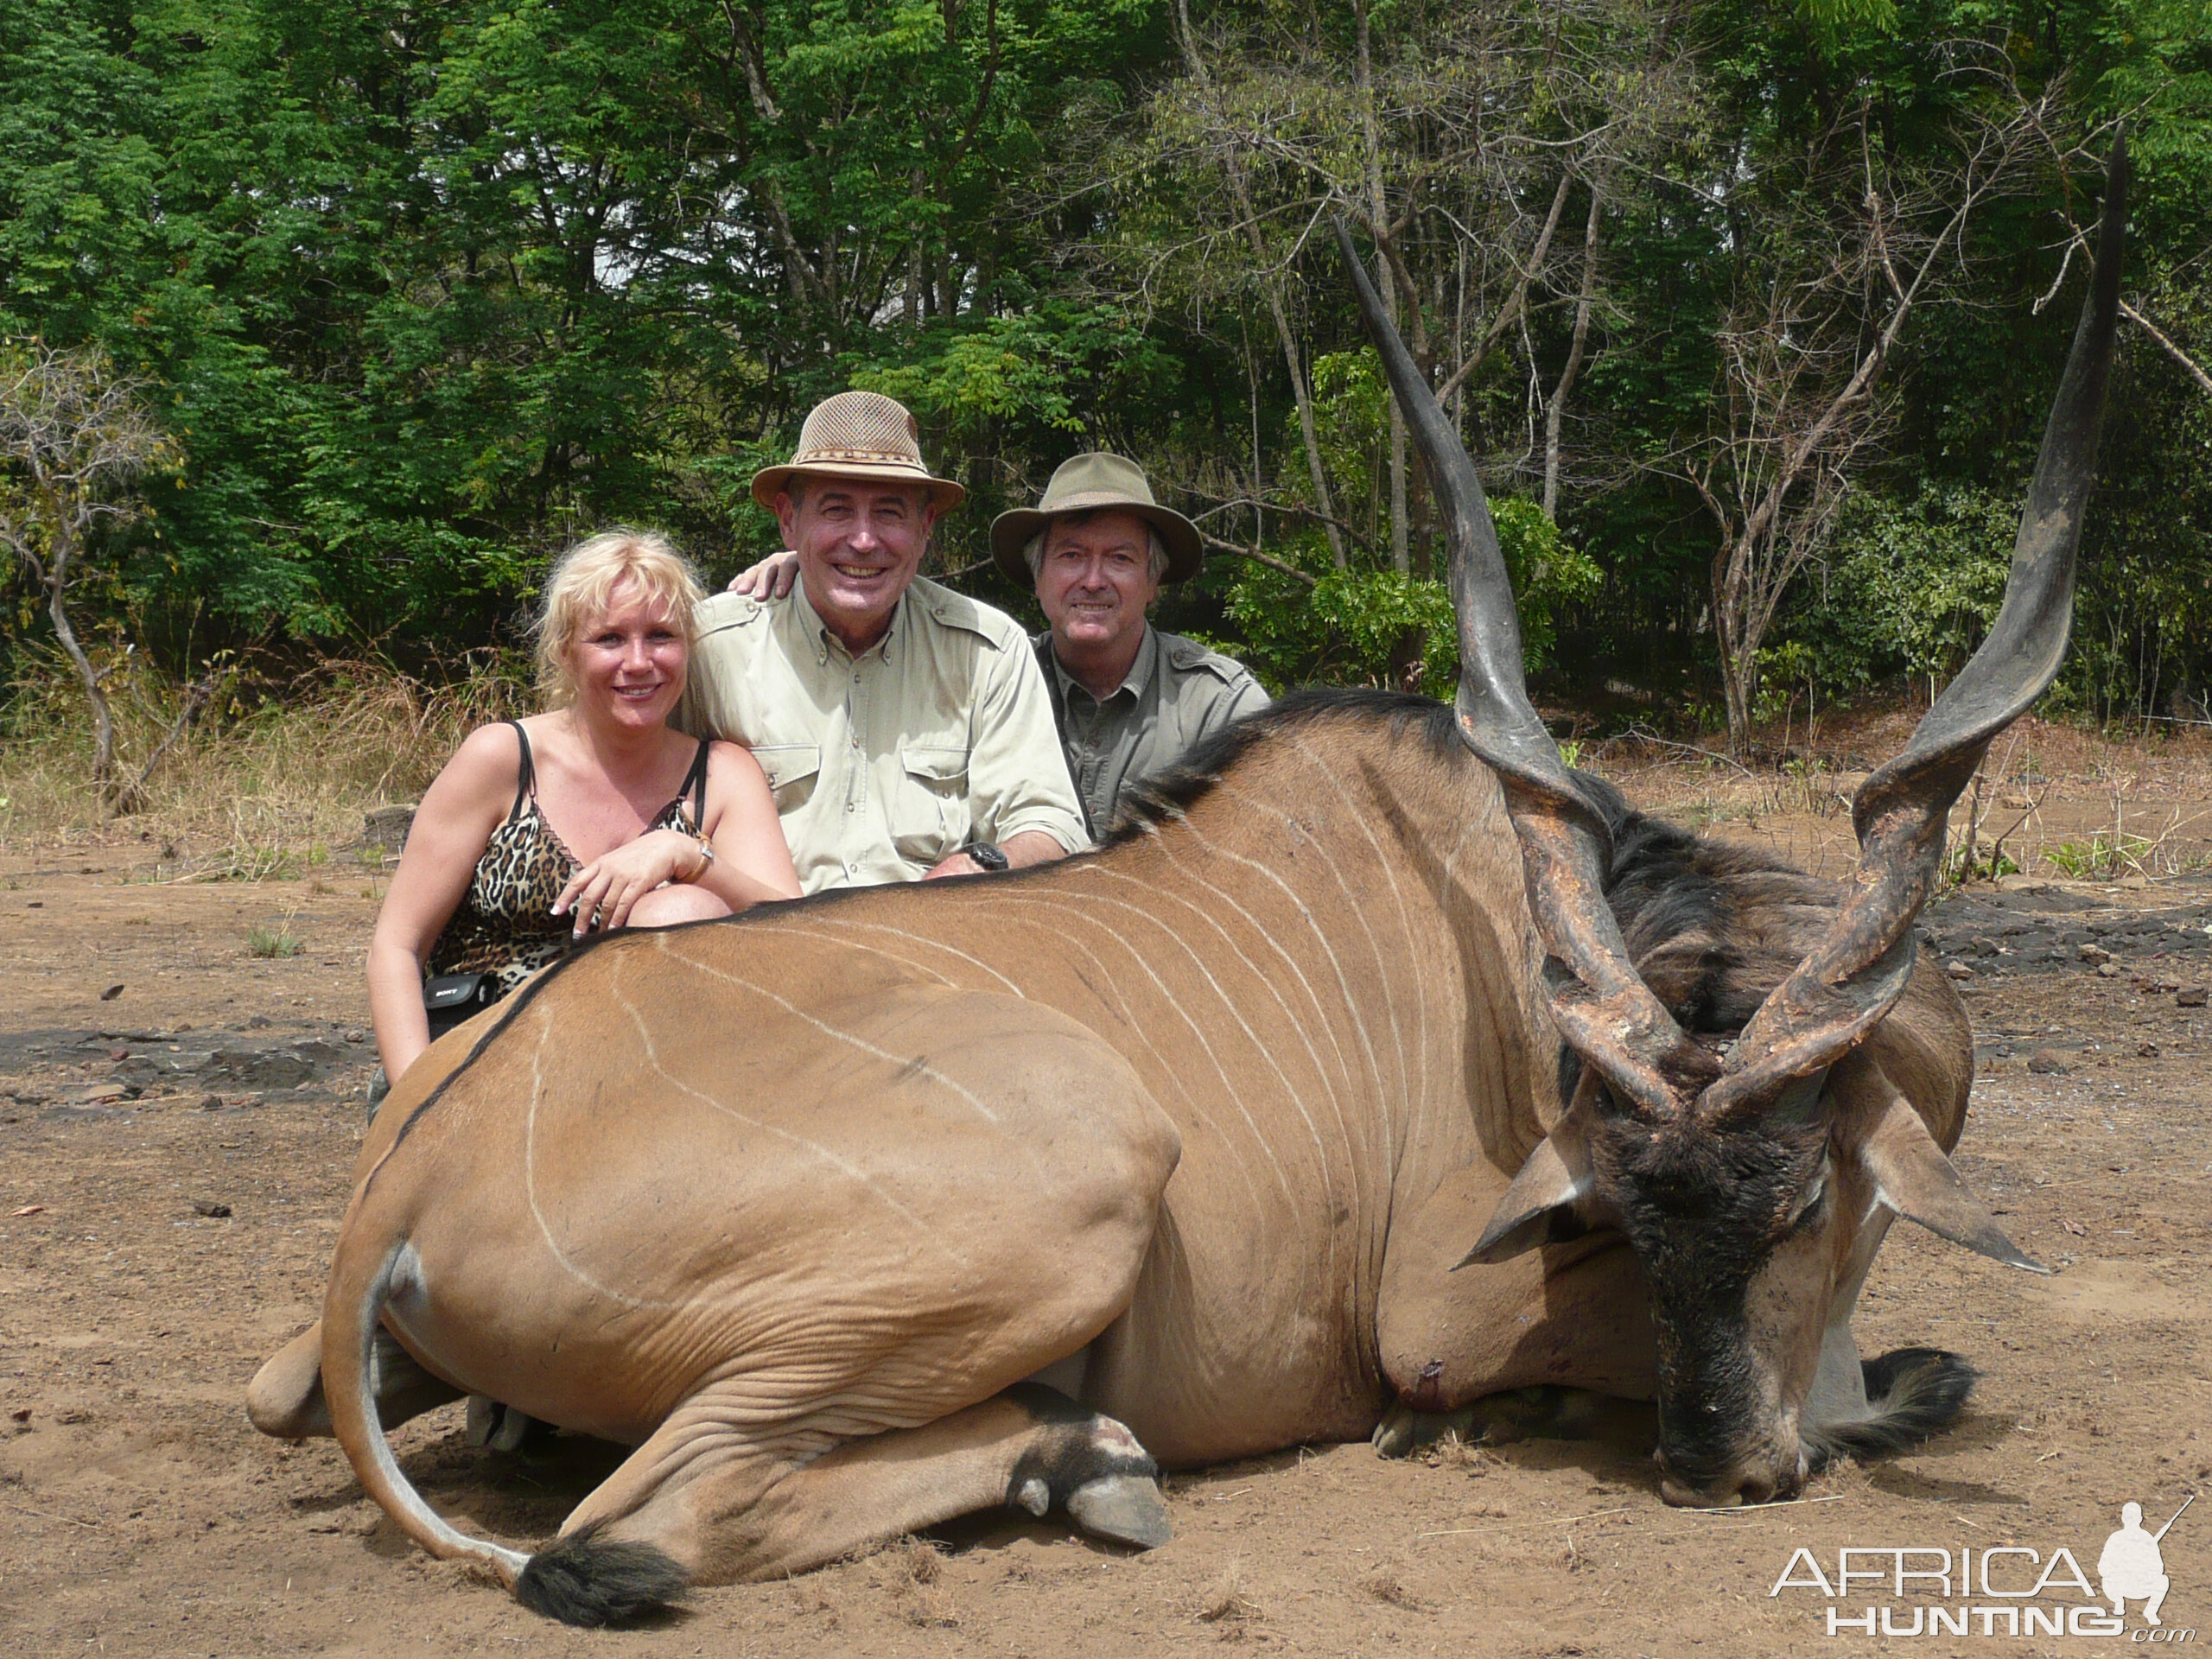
505, 926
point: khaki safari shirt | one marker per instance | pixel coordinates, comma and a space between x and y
1177, 692
938, 735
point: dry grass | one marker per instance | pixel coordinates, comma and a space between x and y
915, 1576
273, 783
276, 782
2065, 803
1387, 1585
1841, 1478
1223, 1601
1451, 1451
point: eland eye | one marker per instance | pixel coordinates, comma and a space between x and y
1812, 1205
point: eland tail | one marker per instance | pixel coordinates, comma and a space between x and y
579, 1579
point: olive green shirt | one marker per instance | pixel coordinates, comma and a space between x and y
937, 734
1176, 693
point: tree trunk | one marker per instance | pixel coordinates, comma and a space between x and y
57, 581
1386, 280
1739, 688
1737, 643
912, 304
1556, 412
1322, 498
1318, 472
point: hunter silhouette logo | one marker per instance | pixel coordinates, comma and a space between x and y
2131, 1568
2006, 1589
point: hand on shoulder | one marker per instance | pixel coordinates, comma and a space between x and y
771, 578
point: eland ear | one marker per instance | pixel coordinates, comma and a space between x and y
1553, 1179
1916, 1181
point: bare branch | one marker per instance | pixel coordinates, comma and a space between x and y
1804, 353
2190, 366
74, 438
1257, 557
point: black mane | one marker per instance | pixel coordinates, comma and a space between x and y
1712, 927
1169, 794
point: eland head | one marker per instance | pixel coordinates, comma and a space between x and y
1752, 1149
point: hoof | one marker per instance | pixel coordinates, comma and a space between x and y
1126, 1508
1689, 1497
1404, 1431
495, 1426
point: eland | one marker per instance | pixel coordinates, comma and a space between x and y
1380, 1071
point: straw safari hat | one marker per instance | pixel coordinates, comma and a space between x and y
859, 435
1089, 483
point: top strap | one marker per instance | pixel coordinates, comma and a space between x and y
525, 775
695, 786
1046, 662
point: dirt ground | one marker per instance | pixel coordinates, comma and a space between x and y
178, 1122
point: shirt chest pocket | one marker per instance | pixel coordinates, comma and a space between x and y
929, 818
792, 770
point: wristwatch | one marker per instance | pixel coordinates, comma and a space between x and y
988, 854
705, 858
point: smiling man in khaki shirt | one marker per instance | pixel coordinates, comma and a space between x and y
905, 729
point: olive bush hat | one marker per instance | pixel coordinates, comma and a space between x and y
1092, 483
858, 434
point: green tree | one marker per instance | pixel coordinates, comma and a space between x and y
423, 292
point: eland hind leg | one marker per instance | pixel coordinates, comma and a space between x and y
1030, 1448
286, 1400
732, 1514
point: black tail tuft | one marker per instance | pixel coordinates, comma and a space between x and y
582, 1580
1912, 1393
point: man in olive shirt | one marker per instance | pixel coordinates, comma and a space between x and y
905, 729
1130, 700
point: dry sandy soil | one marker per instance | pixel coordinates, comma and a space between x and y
175, 1152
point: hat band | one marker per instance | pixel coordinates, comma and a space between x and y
873, 457
1086, 499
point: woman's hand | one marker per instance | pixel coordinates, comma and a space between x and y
603, 892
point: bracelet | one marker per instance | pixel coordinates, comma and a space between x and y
706, 859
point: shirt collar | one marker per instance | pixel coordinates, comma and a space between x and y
1134, 682
810, 629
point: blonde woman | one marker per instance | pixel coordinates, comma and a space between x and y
595, 816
